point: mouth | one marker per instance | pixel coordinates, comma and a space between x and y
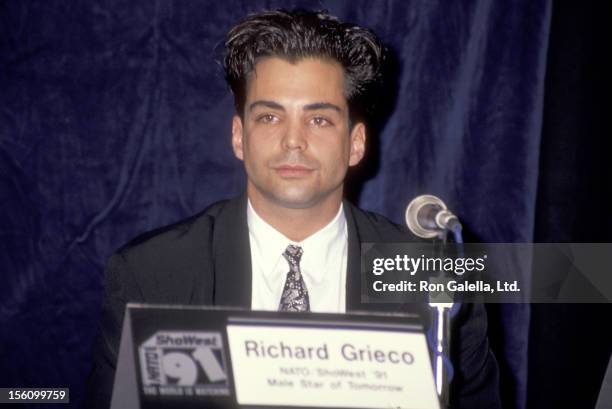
293, 171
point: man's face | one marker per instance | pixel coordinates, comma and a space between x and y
295, 139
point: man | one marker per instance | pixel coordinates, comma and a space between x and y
302, 84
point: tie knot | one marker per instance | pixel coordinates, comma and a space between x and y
293, 254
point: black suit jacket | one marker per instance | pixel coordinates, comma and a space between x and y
206, 260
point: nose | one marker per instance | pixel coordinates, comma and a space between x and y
295, 137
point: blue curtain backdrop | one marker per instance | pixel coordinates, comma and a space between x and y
115, 119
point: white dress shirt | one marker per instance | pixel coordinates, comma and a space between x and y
323, 264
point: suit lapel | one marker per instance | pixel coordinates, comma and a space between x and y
361, 230
353, 263
232, 256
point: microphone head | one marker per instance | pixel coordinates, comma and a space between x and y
421, 216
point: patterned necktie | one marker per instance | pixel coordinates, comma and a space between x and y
295, 294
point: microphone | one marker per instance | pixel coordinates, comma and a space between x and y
427, 217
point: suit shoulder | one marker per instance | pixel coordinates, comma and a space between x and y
376, 227
176, 238
166, 234
379, 220
171, 264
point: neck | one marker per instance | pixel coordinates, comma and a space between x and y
296, 224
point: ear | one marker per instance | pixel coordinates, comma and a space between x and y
358, 139
237, 137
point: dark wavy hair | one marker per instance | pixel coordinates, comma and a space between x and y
294, 35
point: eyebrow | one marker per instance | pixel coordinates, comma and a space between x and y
266, 104
310, 107
322, 105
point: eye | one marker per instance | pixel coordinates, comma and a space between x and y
267, 119
321, 121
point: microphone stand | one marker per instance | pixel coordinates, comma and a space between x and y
428, 217
441, 325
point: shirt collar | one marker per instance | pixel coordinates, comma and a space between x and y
318, 248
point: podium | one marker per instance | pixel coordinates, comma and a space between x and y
188, 357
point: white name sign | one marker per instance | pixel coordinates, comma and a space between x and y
331, 367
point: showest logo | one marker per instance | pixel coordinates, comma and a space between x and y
184, 359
